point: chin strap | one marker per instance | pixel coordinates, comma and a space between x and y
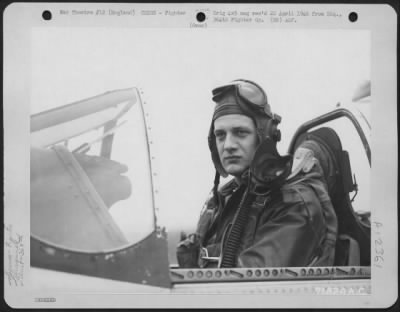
215, 188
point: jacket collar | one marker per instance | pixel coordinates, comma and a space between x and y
232, 185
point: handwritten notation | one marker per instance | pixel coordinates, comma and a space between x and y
378, 247
14, 257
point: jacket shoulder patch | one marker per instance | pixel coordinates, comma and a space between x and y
303, 161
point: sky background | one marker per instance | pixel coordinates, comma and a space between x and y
304, 73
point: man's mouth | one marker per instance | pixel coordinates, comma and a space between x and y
232, 158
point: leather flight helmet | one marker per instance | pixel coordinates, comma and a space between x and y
252, 101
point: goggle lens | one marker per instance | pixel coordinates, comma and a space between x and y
252, 94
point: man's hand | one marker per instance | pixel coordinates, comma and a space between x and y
187, 251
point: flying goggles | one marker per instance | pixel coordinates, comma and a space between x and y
252, 98
253, 101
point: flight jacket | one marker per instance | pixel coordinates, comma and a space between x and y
295, 225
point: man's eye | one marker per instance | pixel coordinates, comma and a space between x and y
219, 135
241, 132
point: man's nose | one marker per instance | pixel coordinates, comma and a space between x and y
230, 142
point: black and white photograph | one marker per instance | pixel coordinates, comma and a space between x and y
192, 150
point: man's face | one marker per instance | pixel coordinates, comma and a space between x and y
236, 140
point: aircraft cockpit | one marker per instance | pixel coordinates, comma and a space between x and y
94, 194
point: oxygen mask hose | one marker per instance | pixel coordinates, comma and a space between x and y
233, 241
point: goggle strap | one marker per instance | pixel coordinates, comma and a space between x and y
219, 91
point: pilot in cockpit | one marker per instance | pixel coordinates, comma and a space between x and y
275, 211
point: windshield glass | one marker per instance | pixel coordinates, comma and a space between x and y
93, 191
